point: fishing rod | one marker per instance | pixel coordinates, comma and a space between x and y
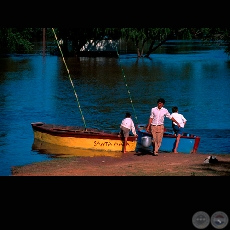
69, 78
127, 86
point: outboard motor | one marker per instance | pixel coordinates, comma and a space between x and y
146, 141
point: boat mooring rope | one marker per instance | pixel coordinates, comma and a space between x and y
127, 86
69, 77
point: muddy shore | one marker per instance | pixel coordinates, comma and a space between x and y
129, 164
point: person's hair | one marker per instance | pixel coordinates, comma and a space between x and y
174, 109
128, 114
162, 100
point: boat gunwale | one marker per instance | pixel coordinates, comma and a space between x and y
166, 133
76, 132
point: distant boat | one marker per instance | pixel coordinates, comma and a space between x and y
189, 143
79, 137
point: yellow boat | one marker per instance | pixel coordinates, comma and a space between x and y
79, 137
63, 151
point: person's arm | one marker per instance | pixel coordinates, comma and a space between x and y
174, 120
184, 120
133, 129
149, 124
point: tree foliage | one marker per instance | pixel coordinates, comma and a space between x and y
20, 40
15, 39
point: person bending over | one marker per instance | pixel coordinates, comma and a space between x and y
126, 126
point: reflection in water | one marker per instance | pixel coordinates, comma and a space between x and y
55, 151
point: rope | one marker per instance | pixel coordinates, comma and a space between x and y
127, 86
70, 78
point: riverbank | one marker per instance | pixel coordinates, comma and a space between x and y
130, 164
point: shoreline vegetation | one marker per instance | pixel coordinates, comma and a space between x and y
129, 164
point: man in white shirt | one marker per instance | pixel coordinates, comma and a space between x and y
156, 124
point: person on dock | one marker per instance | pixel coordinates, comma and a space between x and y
126, 126
178, 130
156, 124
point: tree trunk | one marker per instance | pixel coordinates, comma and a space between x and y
151, 49
137, 46
44, 42
142, 48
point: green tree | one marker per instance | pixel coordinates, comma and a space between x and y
20, 40
15, 40
217, 36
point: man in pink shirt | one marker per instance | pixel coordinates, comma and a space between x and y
156, 124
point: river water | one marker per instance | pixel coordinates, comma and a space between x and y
194, 77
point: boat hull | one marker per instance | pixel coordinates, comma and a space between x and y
63, 151
188, 142
77, 137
